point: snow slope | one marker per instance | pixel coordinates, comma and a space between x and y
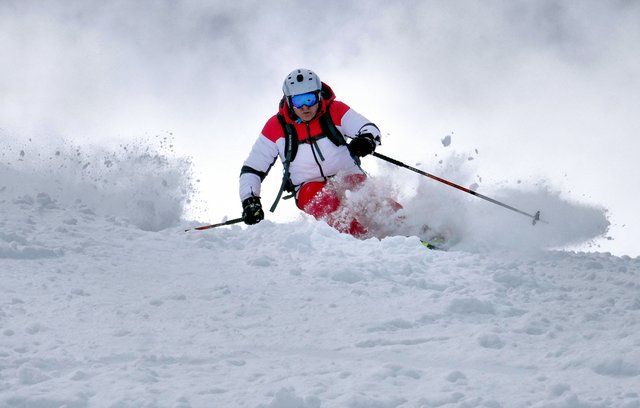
105, 301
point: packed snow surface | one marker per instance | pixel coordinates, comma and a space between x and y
107, 302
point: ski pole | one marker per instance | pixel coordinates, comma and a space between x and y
535, 217
221, 224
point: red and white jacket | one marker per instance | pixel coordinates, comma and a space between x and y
315, 161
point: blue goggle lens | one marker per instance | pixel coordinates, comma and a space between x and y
308, 99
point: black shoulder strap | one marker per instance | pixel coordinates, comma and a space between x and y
290, 148
290, 143
329, 128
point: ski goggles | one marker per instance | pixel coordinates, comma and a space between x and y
307, 99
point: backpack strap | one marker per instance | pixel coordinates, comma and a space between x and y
290, 148
329, 128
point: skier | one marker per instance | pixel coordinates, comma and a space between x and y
319, 164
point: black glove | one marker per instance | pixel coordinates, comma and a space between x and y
252, 210
362, 145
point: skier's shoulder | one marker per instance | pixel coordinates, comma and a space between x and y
337, 110
272, 130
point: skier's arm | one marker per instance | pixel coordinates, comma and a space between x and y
352, 123
256, 167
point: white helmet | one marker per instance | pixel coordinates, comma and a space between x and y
301, 81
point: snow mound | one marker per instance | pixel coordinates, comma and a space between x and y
298, 315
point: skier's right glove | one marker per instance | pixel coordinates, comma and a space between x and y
252, 210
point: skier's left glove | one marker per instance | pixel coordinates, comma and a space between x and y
252, 212
362, 145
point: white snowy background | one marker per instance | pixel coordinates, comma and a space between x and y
124, 123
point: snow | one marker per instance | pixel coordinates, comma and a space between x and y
107, 302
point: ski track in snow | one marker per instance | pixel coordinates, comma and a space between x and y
98, 311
